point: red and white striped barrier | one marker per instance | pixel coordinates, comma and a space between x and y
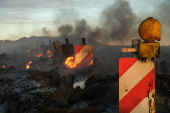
83, 57
136, 86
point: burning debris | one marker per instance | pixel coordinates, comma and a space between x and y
3, 66
70, 62
40, 84
49, 82
28, 65
49, 54
39, 55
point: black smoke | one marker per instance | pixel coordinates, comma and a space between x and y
119, 22
116, 26
162, 14
46, 32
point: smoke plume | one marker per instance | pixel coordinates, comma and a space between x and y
116, 26
118, 20
46, 32
162, 15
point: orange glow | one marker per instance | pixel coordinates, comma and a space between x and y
29, 51
38, 67
49, 56
70, 62
49, 53
39, 55
28, 65
3, 66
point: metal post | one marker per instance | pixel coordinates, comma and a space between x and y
66, 39
50, 43
83, 41
135, 43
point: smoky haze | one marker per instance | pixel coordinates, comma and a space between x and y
162, 14
117, 26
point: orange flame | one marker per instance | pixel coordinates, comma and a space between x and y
70, 62
49, 53
3, 66
29, 51
28, 65
39, 55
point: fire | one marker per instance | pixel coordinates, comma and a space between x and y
49, 56
28, 65
49, 53
39, 55
29, 51
3, 66
70, 62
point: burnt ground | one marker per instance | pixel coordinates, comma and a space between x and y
37, 91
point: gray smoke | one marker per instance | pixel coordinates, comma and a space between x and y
118, 20
46, 32
162, 15
116, 26
82, 28
65, 30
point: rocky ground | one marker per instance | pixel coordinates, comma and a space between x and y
37, 91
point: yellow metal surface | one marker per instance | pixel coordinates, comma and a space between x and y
149, 30
149, 50
129, 50
151, 102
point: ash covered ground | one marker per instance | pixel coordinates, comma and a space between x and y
33, 84
46, 87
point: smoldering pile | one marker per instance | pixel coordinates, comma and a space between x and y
46, 87
51, 91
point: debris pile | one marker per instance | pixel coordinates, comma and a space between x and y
50, 91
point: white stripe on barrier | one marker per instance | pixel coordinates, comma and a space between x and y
129, 83
80, 57
142, 107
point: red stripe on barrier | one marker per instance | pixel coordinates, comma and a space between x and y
125, 63
78, 48
131, 100
85, 61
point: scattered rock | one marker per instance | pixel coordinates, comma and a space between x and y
2, 98
80, 105
90, 81
11, 69
94, 91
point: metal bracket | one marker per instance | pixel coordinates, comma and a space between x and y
134, 49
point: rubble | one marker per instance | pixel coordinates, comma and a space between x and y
50, 91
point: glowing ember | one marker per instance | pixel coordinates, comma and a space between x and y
38, 67
29, 51
70, 62
3, 66
49, 56
39, 55
28, 65
49, 53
